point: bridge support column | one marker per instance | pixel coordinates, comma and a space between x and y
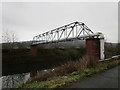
33, 49
95, 48
102, 52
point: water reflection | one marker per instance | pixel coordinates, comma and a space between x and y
15, 80
12, 81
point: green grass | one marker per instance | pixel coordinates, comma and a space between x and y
63, 81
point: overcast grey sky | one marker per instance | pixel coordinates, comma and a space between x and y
28, 19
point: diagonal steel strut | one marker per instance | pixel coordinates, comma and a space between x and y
72, 31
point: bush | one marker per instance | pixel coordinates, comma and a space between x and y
41, 76
67, 68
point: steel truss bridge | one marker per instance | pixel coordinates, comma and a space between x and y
70, 32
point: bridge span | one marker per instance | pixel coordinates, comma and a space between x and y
71, 32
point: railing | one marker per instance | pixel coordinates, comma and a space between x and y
117, 57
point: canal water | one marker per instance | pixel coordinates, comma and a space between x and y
17, 66
12, 81
15, 75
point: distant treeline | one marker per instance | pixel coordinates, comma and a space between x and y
112, 49
26, 44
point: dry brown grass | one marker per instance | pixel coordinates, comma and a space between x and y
66, 69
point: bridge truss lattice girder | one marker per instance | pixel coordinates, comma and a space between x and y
73, 31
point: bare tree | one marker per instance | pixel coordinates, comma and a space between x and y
9, 37
5, 37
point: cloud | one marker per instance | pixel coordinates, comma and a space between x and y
30, 18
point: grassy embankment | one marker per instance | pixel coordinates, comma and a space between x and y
68, 73
24, 55
13, 59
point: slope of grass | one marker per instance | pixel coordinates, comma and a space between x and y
13, 59
62, 81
